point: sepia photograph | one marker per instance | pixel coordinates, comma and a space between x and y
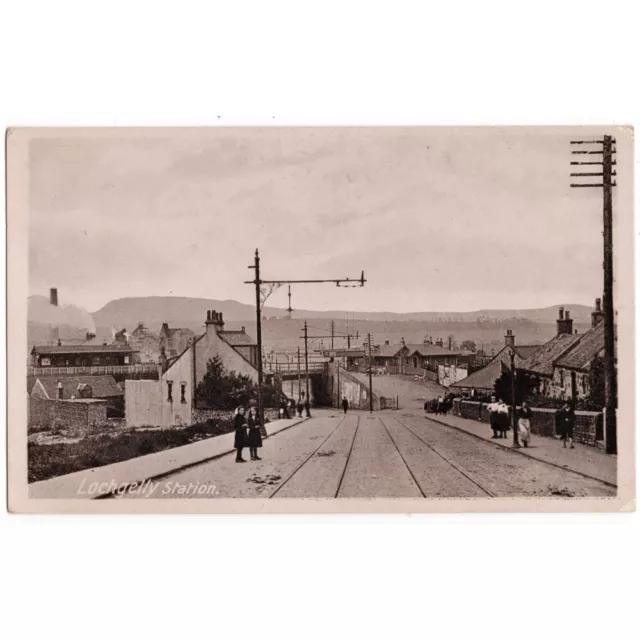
321, 319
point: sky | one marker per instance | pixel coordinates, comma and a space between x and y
439, 219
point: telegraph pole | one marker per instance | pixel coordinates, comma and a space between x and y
607, 152
370, 376
306, 360
256, 266
299, 380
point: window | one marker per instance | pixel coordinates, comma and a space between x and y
45, 362
169, 391
126, 359
183, 392
415, 362
96, 361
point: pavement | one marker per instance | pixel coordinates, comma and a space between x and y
100, 481
583, 459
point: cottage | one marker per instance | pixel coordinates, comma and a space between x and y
571, 371
482, 382
171, 400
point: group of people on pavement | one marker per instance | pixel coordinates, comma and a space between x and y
247, 433
499, 419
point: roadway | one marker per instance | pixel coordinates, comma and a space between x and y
380, 455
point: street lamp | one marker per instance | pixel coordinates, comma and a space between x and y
514, 422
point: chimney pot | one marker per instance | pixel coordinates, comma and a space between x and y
598, 304
561, 313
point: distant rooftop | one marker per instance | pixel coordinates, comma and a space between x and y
82, 348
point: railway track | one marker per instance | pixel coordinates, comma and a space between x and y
346, 466
313, 453
438, 453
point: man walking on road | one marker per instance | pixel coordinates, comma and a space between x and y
345, 405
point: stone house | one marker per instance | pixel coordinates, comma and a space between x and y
540, 366
571, 371
171, 400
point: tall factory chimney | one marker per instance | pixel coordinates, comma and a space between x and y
53, 297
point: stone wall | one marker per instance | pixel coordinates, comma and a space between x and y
355, 391
588, 428
142, 403
202, 415
74, 416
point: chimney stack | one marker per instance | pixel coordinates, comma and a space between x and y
597, 316
564, 322
386, 342
53, 297
509, 339
214, 321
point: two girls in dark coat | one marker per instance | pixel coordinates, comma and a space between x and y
247, 433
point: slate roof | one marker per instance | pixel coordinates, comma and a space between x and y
588, 347
542, 360
388, 351
426, 350
526, 351
102, 386
483, 378
237, 338
81, 348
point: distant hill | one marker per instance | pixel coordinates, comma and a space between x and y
191, 312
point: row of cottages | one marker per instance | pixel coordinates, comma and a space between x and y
171, 399
82, 355
415, 358
561, 367
481, 383
79, 388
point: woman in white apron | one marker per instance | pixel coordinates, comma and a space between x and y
524, 424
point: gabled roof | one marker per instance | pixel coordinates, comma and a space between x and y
483, 379
526, 351
427, 350
237, 338
541, 361
81, 348
388, 350
101, 386
580, 355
